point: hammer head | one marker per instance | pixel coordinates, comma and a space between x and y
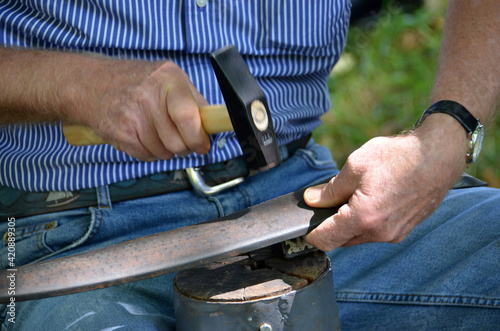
247, 108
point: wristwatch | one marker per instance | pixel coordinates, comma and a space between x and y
473, 126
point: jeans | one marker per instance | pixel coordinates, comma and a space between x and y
443, 275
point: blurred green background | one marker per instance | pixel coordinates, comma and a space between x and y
383, 81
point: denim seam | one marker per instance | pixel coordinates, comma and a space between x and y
33, 229
103, 198
419, 299
246, 196
218, 204
92, 235
72, 245
40, 244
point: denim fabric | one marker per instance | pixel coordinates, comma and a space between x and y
144, 305
443, 276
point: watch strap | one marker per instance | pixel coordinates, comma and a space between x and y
452, 108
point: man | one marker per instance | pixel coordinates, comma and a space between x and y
148, 110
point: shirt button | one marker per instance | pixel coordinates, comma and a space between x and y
221, 143
201, 3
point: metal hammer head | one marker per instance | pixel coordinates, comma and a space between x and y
247, 108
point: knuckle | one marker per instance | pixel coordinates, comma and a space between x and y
169, 66
356, 164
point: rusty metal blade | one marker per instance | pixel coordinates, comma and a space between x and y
280, 219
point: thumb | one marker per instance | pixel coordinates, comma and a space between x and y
334, 193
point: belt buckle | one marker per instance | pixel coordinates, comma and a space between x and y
203, 188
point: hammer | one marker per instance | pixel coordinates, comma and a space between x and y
246, 112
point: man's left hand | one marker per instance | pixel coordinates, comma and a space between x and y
389, 185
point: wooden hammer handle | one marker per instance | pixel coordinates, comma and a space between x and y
214, 119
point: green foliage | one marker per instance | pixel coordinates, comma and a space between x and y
383, 83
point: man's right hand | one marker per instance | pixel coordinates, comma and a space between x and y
149, 110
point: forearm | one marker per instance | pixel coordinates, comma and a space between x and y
51, 85
38, 85
469, 62
468, 73
149, 110
390, 185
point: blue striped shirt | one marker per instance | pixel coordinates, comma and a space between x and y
289, 46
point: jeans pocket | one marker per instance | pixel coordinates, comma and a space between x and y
43, 236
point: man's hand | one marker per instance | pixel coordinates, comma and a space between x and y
150, 111
389, 185
383, 191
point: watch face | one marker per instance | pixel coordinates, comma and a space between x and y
476, 142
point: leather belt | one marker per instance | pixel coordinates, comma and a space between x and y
18, 203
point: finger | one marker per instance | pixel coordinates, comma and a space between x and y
394, 233
129, 133
163, 137
151, 141
135, 149
184, 111
198, 97
126, 141
336, 192
356, 241
139, 138
368, 238
335, 231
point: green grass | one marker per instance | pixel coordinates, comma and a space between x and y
383, 83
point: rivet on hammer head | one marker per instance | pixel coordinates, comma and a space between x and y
265, 327
259, 115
